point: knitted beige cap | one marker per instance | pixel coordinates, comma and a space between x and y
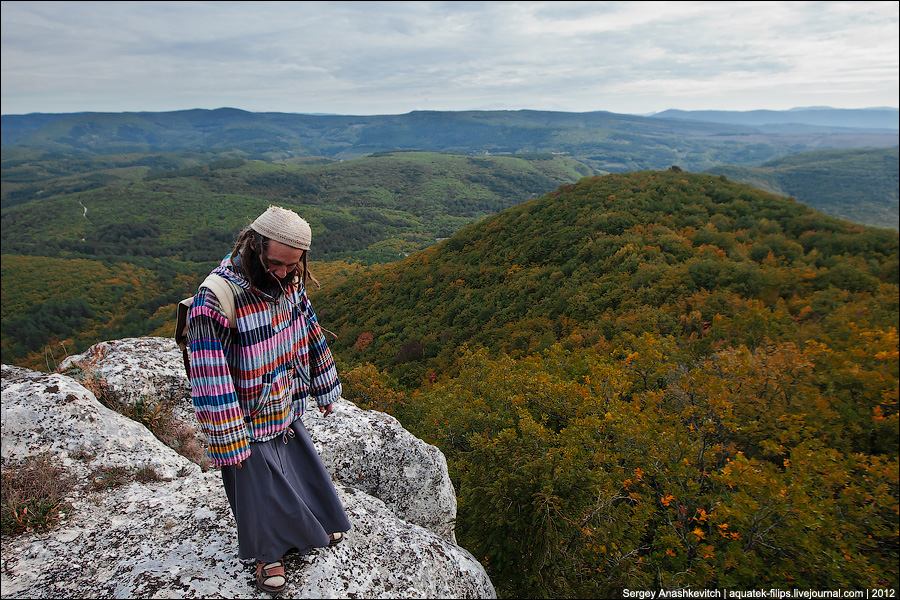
284, 226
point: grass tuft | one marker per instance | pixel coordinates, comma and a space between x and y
107, 478
147, 474
33, 497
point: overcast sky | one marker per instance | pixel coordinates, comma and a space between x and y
394, 57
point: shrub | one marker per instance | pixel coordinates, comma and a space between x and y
370, 389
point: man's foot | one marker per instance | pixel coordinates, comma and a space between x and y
270, 576
335, 538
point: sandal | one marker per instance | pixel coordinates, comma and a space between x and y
270, 576
335, 538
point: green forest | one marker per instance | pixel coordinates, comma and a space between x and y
654, 380
171, 219
858, 185
172, 216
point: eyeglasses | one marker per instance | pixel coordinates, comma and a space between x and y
270, 263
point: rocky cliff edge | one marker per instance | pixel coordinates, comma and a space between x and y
173, 536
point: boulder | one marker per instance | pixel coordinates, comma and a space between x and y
371, 451
54, 415
136, 368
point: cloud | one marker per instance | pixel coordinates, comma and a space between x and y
369, 57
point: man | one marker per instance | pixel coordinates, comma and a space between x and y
249, 387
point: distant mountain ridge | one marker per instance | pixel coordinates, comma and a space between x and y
606, 141
871, 119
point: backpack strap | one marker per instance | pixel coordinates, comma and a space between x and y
221, 288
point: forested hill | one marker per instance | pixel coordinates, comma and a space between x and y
648, 381
671, 252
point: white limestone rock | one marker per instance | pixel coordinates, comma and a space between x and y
55, 415
404, 472
137, 368
176, 538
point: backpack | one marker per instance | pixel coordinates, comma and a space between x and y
220, 287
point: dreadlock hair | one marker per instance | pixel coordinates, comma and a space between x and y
251, 246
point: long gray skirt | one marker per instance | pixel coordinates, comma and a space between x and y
282, 498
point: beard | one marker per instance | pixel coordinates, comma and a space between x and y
266, 282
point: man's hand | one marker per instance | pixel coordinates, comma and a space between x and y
325, 410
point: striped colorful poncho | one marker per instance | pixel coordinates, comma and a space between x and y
250, 383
